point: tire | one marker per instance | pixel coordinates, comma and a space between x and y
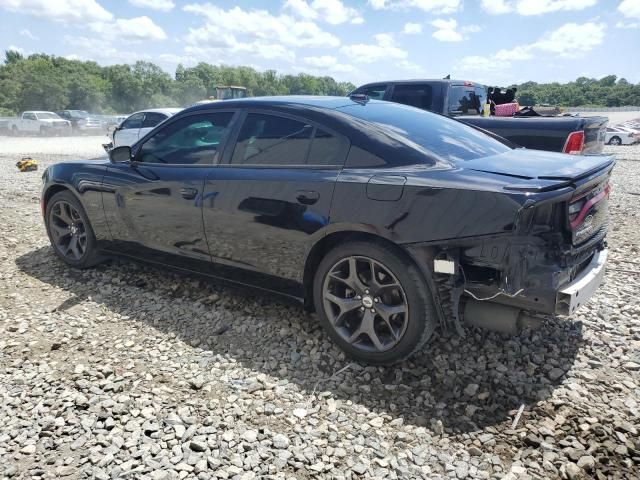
615, 141
403, 332
43, 131
85, 254
14, 131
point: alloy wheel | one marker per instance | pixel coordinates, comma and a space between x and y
68, 230
365, 303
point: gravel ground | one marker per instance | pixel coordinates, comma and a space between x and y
131, 371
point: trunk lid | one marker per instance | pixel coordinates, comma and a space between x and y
537, 164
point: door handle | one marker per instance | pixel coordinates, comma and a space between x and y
188, 193
307, 197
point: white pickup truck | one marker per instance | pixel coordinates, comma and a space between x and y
39, 123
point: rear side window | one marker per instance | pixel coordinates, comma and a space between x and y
151, 119
191, 140
134, 121
327, 149
416, 95
272, 140
466, 100
373, 91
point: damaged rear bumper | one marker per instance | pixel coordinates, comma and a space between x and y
576, 293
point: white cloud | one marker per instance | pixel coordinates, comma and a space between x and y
432, 6
630, 8
384, 49
331, 11
130, 29
20, 50
570, 40
447, 30
162, 5
25, 32
628, 25
103, 50
534, 7
59, 10
412, 28
257, 25
328, 63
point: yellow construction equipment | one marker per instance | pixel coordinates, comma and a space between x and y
27, 164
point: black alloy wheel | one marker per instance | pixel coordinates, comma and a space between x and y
373, 302
70, 231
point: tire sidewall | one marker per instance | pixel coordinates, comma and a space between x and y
90, 255
422, 316
618, 141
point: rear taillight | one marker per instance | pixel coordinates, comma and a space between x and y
579, 206
574, 143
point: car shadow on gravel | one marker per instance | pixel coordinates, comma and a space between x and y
455, 384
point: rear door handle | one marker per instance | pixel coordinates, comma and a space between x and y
307, 197
188, 193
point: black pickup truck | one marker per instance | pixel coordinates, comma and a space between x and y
463, 100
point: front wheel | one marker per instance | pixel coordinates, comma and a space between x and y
615, 141
373, 302
70, 231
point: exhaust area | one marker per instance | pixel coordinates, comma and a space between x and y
498, 318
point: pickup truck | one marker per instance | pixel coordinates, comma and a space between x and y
463, 100
38, 122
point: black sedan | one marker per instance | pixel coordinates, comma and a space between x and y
387, 220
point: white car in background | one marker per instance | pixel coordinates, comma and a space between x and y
620, 136
138, 124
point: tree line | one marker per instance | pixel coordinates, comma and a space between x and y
46, 82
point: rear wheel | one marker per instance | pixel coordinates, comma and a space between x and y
70, 231
373, 302
615, 141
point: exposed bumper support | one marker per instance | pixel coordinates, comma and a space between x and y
583, 286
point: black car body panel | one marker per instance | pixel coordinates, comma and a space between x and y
502, 218
540, 133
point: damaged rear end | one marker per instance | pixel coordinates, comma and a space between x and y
551, 262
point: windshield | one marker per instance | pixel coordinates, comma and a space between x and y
436, 135
47, 116
466, 100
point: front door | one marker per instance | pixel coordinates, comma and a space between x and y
271, 197
154, 210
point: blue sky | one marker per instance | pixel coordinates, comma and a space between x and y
492, 41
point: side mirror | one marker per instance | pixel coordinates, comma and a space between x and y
120, 154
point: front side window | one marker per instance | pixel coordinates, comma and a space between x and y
151, 119
271, 140
190, 140
134, 121
415, 95
29, 116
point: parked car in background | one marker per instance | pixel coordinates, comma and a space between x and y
37, 122
139, 124
464, 100
621, 136
379, 216
82, 122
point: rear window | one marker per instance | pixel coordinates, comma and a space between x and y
435, 135
466, 100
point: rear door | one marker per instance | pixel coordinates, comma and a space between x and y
127, 133
154, 208
272, 194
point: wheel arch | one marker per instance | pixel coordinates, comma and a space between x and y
330, 241
51, 191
